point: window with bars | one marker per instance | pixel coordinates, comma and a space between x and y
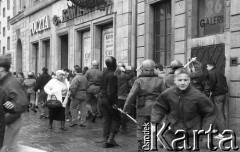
8, 24
162, 33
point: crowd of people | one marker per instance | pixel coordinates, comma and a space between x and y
186, 97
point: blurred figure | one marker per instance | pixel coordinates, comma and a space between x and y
17, 102
159, 71
196, 73
75, 66
85, 70
78, 93
69, 78
29, 84
3, 110
219, 88
109, 102
145, 89
57, 87
42, 80
93, 76
169, 80
123, 77
20, 76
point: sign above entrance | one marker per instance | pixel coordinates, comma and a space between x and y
40, 25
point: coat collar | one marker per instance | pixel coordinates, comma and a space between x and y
183, 91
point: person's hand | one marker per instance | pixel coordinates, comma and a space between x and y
8, 105
114, 106
193, 59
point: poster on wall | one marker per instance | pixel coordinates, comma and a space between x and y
87, 53
214, 17
108, 45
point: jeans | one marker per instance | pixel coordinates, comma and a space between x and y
75, 106
219, 106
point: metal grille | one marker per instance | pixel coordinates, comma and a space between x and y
208, 53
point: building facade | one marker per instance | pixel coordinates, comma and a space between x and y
6, 12
57, 34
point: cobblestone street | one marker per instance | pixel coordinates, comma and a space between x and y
36, 137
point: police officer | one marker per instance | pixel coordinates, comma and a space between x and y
109, 102
93, 76
147, 87
169, 80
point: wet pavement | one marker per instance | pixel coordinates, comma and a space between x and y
35, 136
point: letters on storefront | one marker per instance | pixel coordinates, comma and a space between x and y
40, 25
75, 11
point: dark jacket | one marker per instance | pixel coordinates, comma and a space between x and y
94, 80
16, 94
123, 78
169, 80
78, 87
146, 89
29, 85
184, 109
3, 99
109, 86
218, 82
42, 80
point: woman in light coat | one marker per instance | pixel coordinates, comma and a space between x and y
58, 87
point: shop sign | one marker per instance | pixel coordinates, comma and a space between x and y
40, 25
75, 11
108, 45
214, 17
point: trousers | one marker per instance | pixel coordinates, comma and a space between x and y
75, 106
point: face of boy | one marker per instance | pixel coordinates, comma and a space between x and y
182, 81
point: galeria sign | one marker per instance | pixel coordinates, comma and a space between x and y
40, 25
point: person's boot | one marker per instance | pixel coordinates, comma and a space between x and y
63, 126
110, 142
34, 108
93, 117
104, 140
140, 146
50, 124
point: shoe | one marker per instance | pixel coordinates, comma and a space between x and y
67, 120
34, 110
73, 124
110, 142
63, 128
41, 116
82, 125
219, 136
36, 107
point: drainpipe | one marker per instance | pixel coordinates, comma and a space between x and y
134, 35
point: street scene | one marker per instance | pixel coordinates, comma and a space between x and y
119, 75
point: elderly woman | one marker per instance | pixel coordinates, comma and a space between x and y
59, 87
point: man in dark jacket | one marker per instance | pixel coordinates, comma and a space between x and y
78, 93
184, 107
94, 76
219, 89
16, 101
196, 73
109, 102
3, 100
42, 98
123, 77
146, 89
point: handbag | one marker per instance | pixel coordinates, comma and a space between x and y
53, 103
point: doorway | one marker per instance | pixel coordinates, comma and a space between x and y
19, 56
35, 57
64, 51
46, 53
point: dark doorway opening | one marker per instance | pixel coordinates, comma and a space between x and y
64, 51
46, 53
35, 56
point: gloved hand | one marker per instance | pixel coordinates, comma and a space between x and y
114, 106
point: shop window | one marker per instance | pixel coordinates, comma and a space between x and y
8, 24
162, 33
207, 17
4, 31
8, 43
4, 12
8, 4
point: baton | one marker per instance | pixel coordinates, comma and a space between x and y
188, 63
127, 115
